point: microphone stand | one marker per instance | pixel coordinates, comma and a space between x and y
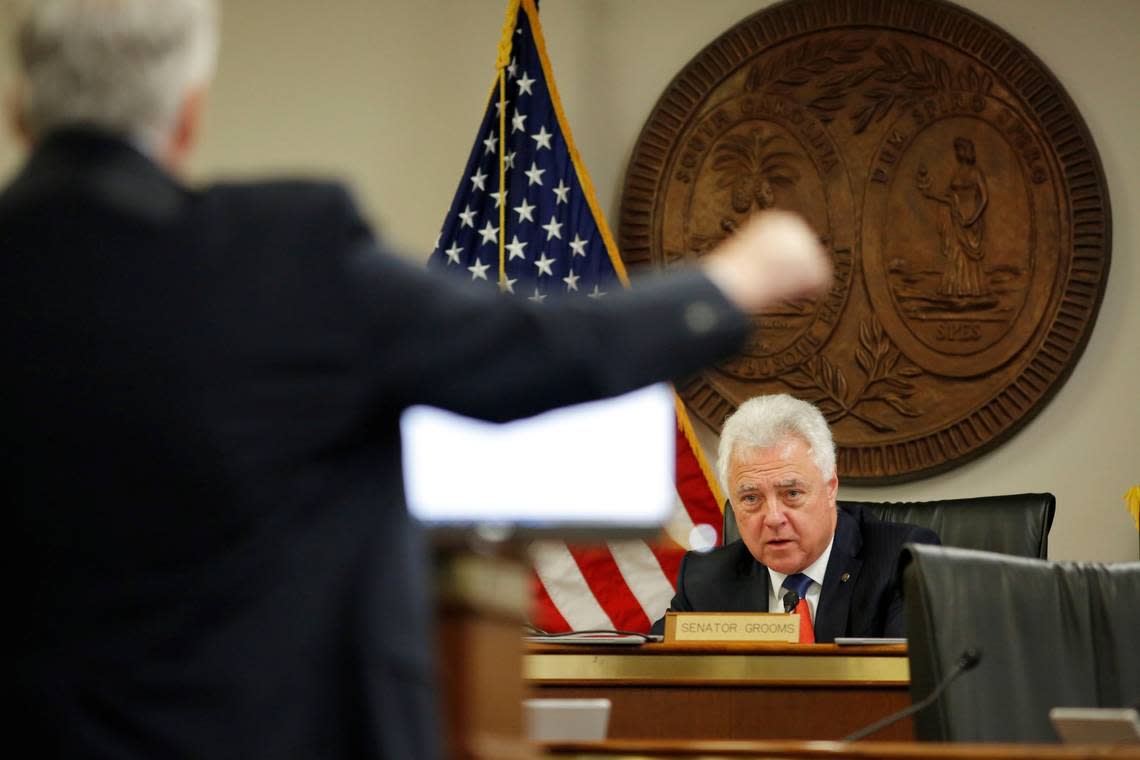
966, 660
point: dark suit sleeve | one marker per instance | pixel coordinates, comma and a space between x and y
679, 603
437, 340
895, 626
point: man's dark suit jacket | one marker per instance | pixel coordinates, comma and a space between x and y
867, 603
209, 549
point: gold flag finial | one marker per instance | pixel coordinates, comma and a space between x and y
1132, 501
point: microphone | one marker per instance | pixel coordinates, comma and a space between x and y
967, 660
791, 599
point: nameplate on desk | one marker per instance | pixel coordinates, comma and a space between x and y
731, 626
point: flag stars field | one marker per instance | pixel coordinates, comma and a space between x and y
541, 138
453, 253
477, 180
543, 263
553, 228
534, 174
578, 246
525, 211
467, 217
478, 270
490, 234
515, 247
562, 191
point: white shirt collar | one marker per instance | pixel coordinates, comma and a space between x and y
816, 571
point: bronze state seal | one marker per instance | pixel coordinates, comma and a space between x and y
955, 186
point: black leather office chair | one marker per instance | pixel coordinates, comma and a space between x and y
1015, 524
1050, 634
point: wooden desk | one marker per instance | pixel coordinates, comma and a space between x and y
730, 691
786, 750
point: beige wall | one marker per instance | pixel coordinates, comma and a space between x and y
388, 95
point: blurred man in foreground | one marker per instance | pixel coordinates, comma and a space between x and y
201, 447
798, 550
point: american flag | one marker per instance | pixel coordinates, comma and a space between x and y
545, 237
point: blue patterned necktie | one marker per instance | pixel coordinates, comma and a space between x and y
800, 583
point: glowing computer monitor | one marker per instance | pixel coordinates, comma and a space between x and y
603, 468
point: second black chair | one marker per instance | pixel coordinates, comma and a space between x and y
1050, 634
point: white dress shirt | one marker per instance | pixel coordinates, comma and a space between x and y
816, 570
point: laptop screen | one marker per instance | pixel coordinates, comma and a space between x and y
605, 466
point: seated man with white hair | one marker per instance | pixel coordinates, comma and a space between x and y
777, 460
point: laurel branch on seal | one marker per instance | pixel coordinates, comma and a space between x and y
903, 81
885, 370
898, 79
802, 64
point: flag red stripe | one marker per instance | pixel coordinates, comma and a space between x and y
669, 557
693, 488
544, 613
609, 587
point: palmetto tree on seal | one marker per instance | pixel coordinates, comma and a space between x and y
751, 165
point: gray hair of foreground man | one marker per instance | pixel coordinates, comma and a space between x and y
124, 66
768, 420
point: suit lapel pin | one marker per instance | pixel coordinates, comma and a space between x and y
845, 577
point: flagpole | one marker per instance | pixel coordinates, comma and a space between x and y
683, 421
579, 587
504, 60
